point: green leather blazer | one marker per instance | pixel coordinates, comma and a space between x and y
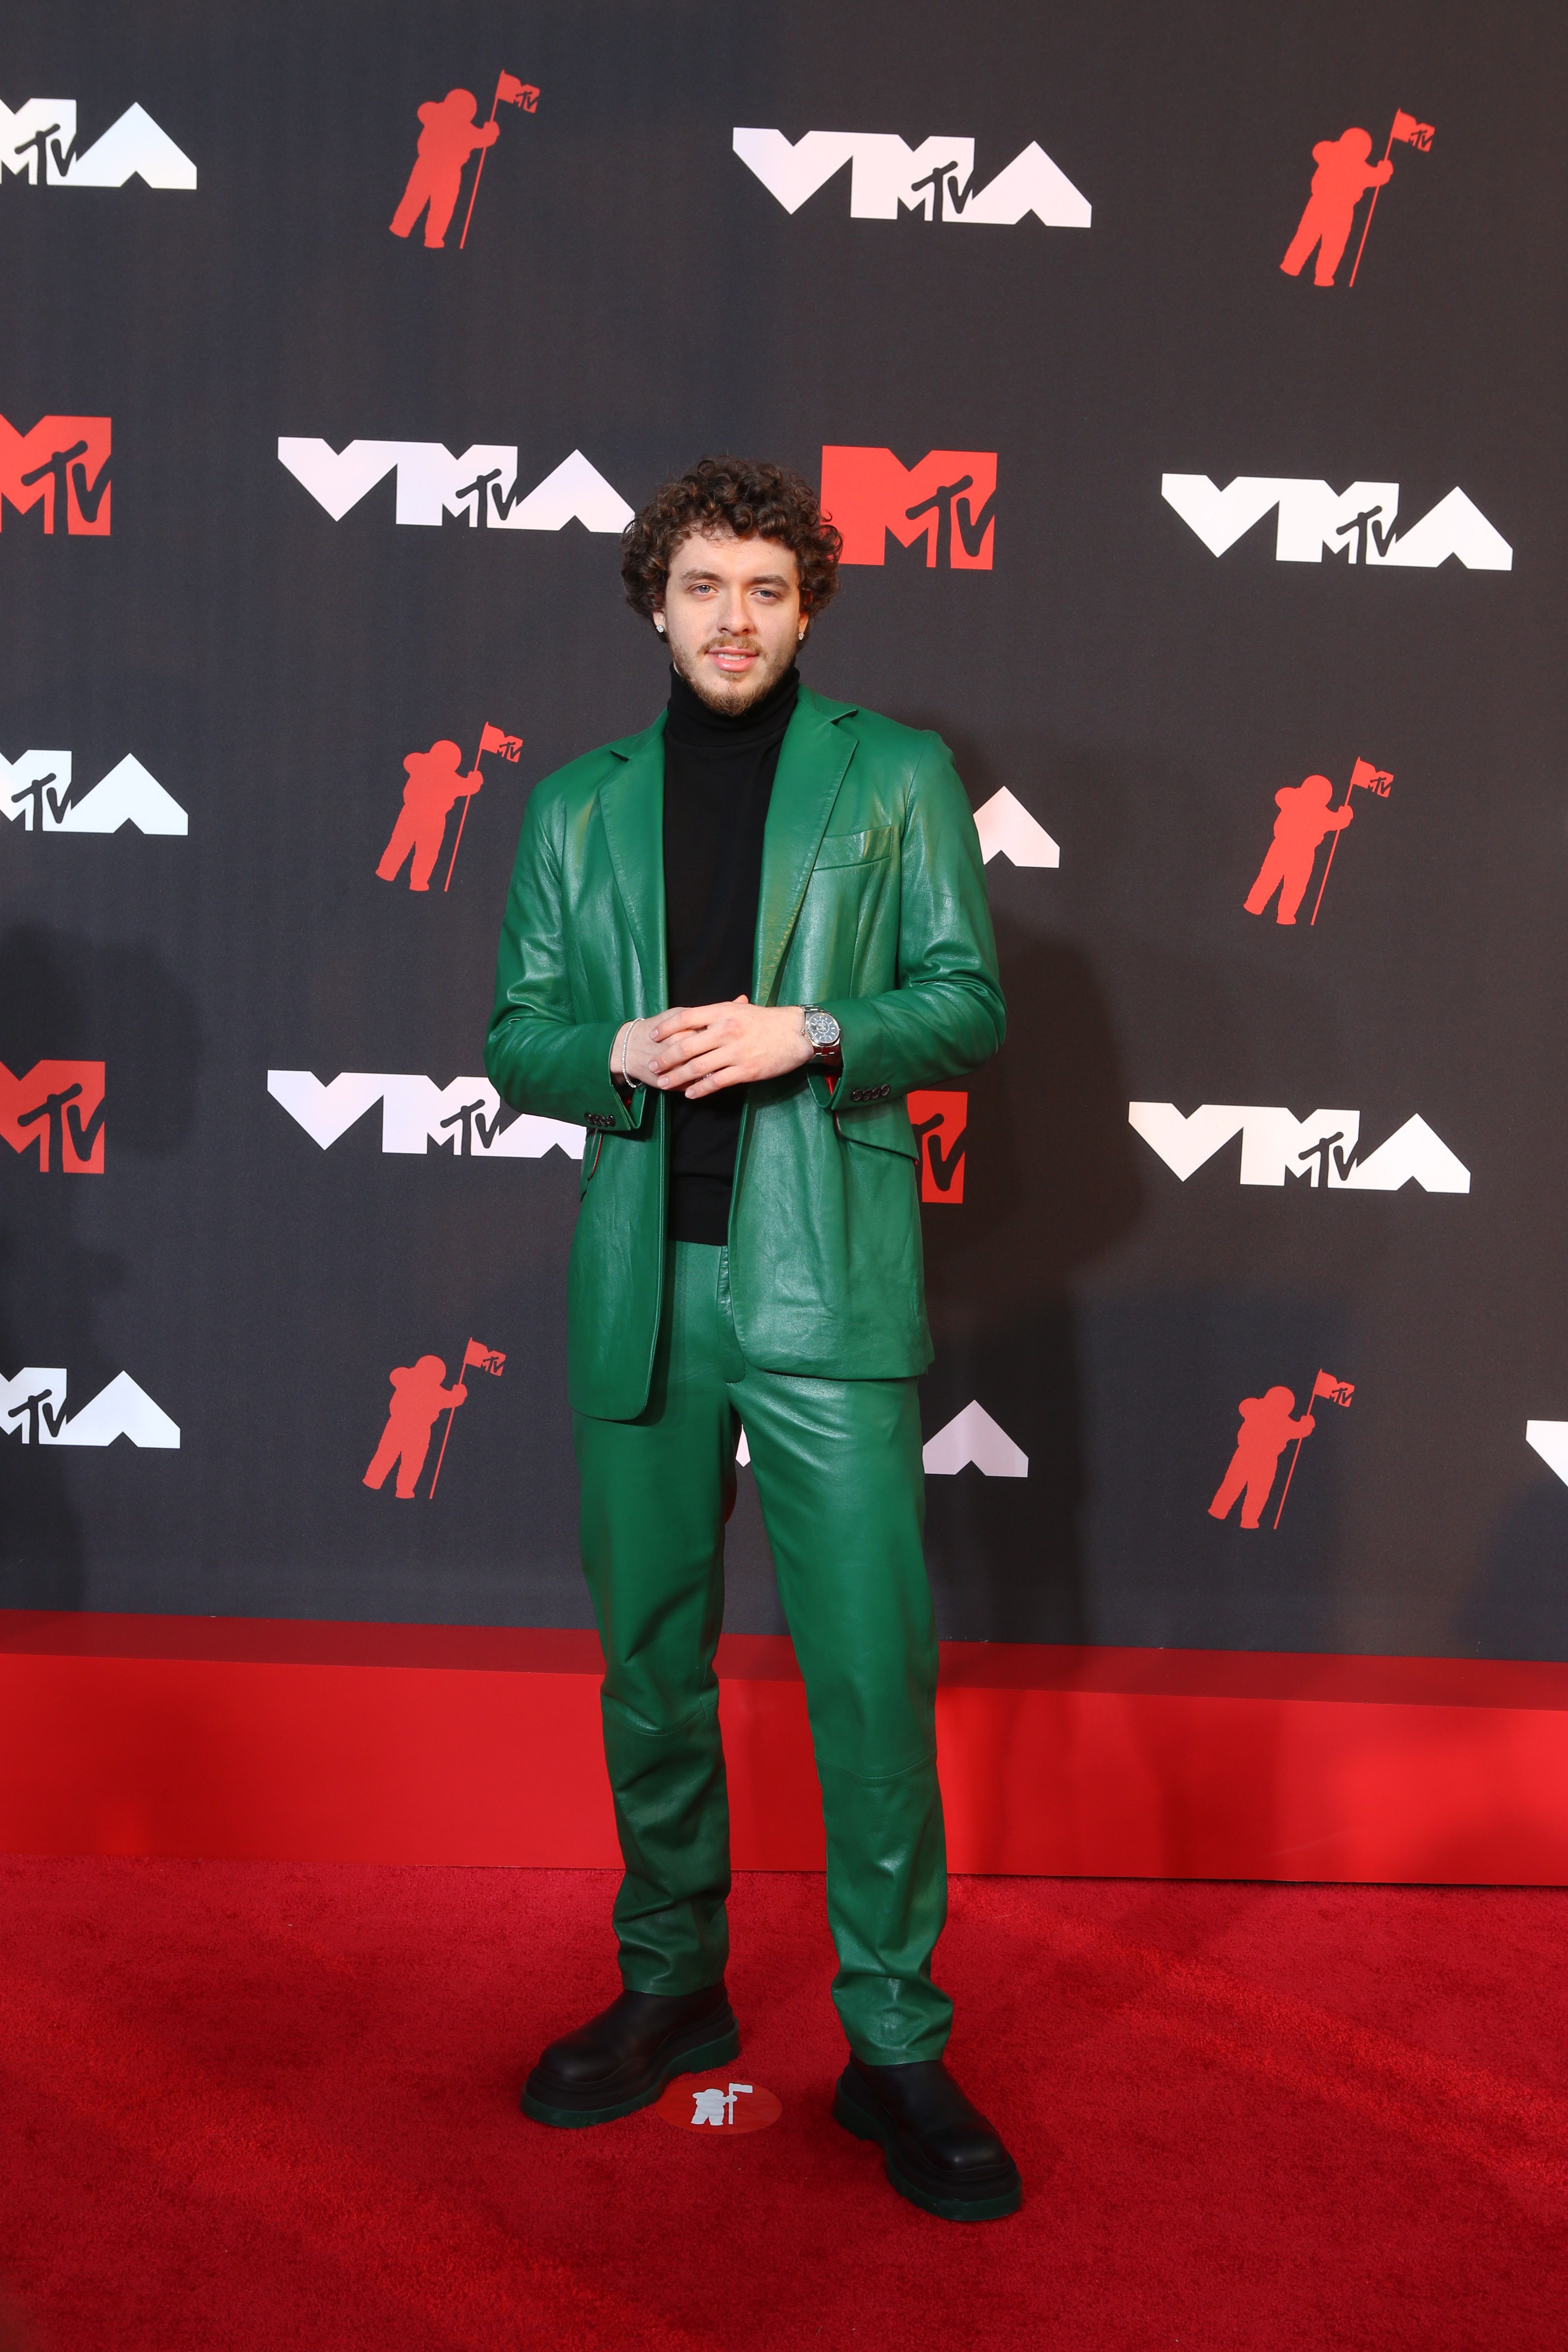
873, 904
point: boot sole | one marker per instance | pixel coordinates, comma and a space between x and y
695, 2060
867, 2124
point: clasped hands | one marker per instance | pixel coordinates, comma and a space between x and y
694, 1050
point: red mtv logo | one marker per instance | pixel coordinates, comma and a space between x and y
948, 497
941, 1122
63, 460
58, 1106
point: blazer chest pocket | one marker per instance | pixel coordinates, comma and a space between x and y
841, 849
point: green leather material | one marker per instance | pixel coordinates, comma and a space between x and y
838, 1466
872, 904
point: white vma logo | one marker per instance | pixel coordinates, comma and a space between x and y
1550, 1439
33, 1408
972, 1436
37, 143
936, 178
1007, 829
1323, 1151
464, 1119
37, 792
431, 483
1357, 523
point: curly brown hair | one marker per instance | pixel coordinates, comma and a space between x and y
731, 494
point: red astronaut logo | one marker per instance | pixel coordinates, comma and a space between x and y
435, 783
57, 1109
63, 464
419, 1397
1267, 1426
949, 500
1308, 817
941, 1122
448, 137
1344, 173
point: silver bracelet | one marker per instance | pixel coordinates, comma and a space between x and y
626, 1044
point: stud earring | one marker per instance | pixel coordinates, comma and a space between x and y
659, 624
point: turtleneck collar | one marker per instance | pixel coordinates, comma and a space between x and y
696, 725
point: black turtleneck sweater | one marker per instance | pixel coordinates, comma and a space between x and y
718, 780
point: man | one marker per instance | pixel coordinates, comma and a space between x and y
733, 943
1304, 818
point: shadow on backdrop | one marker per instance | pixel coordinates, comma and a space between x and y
65, 998
1006, 1555
1519, 1606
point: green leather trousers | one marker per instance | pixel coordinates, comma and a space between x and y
837, 1465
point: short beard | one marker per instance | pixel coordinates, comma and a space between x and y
729, 701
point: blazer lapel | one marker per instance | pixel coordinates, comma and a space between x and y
813, 759
632, 810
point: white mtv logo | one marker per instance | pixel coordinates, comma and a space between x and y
37, 143
936, 178
36, 790
33, 1408
1007, 829
1322, 1150
463, 1119
431, 483
1358, 522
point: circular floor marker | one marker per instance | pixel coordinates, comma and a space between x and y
712, 2104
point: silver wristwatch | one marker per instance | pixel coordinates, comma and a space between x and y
823, 1037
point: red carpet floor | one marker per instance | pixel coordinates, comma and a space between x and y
246, 2106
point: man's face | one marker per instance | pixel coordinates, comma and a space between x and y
731, 616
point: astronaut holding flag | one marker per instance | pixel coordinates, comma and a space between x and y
1268, 1426
715, 2106
435, 782
1345, 172
448, 137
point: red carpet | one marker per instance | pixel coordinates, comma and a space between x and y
247, 2105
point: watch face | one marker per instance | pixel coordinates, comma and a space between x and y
821, 1028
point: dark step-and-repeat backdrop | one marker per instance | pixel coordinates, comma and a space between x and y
1208, 499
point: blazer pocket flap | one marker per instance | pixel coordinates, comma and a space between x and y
884, 1126
853, 848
